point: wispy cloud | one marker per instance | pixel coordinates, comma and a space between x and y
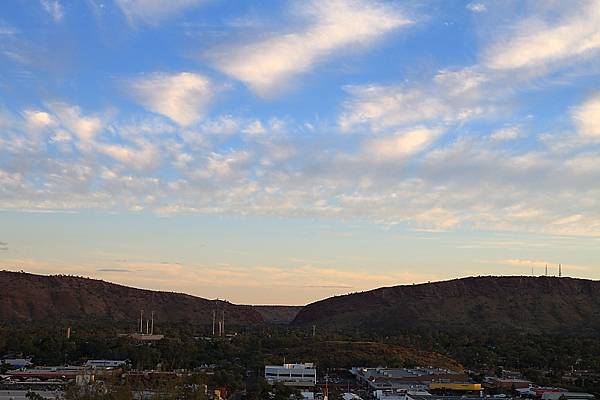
154, 11
85, 127
538, 45
587, 117
476, 7
54, 9
507, 133
112, 270
400, 145
268, 65
183, 97
144, 155
448, 97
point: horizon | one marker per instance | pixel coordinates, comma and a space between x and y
285, 152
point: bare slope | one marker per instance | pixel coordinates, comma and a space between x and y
38, 298
484, 304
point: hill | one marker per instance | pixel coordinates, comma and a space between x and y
475, 304
37, 298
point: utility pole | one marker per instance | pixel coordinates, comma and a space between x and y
223, 321
214, 320
152, 325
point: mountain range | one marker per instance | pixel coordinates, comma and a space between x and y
480, 304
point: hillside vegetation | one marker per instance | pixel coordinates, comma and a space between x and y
476, 304
36, 298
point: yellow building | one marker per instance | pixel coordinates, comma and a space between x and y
459, 387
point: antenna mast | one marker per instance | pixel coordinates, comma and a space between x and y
214, 320
223, 321
142, 320
559, 270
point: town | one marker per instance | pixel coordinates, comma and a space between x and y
21, 379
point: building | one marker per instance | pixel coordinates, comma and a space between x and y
24, 394
455, 387
145, 337
507, 383
540, 391
105, 364
351, 396
296, 375
17, 363
567, 396
405, 379
46, 373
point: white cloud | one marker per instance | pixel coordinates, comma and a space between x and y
438, 217
268, 65
450, 97
536, 44
587, 117
54, 8
183, 97
254, 128
568, 220
586, 163
383, 107
144, 156
153, 11
224, 125
507, 133
463, 82
476, 7
7, 30
399, 175
402, 144
225, 166
38, 120
11, 180
61, 136
84, 127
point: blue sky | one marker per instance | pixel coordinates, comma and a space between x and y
282, 152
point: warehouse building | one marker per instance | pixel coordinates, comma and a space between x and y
296, 375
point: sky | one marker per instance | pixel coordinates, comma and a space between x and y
280, 152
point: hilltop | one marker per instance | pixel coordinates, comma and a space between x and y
474, 304
27, 297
